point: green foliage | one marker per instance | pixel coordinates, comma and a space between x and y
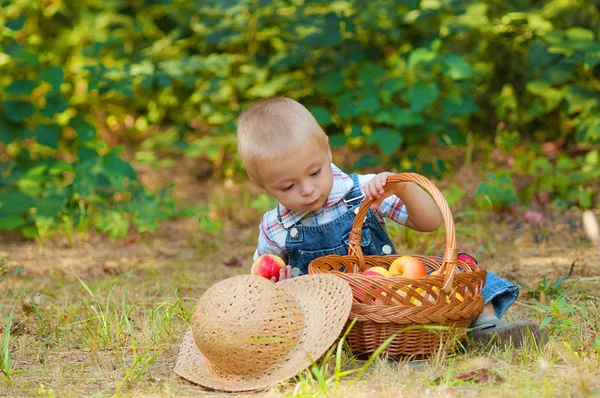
390, 75
498, 191
54, 165
567, 180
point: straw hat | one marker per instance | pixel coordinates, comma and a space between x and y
249, 333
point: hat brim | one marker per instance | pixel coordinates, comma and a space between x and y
326, 301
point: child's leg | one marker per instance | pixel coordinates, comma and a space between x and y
499, 294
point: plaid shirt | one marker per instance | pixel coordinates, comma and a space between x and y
271, 239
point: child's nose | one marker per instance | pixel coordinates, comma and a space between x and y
308, 189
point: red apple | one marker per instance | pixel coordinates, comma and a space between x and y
268, 266
372, 271
408, 267
376, 271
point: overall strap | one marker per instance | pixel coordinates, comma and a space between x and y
355, 196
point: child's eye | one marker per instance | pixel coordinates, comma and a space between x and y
316, 173
289, 187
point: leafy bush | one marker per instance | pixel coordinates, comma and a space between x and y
389, 75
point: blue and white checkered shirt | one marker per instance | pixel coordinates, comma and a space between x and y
271, 239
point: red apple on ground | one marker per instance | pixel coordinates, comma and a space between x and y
268, 266
408, 267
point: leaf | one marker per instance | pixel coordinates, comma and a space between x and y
558, 74
322, 115
388, 140
116, 170
114, 224
357, 131
16, 24
53, 75
337, 140
394, 85
366, 161
269, 88
326, 36
26, 57
456, 104
420, 55
55, 104
538, 87
369, 72
9, 222
421, 95
85, 131
47, 134
399, 117
576, 34
592, 60
331, 83
538, 56
17, 110
368, 105
21, 87
581, 99
458, 68
15, 202
50, 207
499, 190
10, 132
553, 98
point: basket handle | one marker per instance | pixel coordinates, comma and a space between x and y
450, 255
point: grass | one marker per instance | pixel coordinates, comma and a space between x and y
77, 331
118, 336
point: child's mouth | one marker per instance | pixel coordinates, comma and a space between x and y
314, 202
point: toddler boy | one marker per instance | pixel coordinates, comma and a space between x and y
286, 153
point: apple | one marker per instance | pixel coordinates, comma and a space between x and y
459, 296
467, 258
408, 267
268, 266
376, 271
372, 271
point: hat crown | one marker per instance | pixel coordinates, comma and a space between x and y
246, 324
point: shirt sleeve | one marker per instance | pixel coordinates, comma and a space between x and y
266, 243
393, 208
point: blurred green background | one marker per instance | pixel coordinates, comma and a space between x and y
90, 87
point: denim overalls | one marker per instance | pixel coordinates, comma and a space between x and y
304, 243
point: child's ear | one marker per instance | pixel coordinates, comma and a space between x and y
329, 154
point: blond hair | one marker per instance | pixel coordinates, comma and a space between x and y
272, 128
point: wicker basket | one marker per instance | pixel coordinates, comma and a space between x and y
428, 314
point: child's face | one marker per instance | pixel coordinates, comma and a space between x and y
300, 181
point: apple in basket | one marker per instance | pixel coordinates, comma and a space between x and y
371, 271
458, 296
268, 266
408, 267
376, 271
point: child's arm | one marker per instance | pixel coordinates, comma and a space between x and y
423, 213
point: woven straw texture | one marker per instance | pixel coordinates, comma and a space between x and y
428, 314
248, 333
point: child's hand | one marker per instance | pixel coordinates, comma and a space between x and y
374, 189
284, 273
